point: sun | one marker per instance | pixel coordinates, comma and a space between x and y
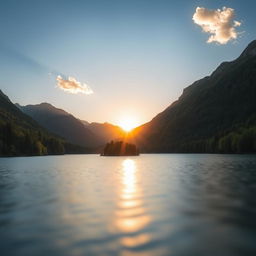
128, 123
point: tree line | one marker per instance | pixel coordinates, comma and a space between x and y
17, 141
241, 140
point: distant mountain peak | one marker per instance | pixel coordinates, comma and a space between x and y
47, 107
46, 104
250, 50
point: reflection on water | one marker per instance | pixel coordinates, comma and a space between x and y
131, 216
152, 205
129, 179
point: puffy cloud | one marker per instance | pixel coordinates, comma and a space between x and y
219, 23
71, 85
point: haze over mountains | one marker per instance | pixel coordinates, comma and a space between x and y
216, 114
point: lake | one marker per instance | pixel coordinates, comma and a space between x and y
153, 204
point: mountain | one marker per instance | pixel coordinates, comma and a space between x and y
21, 135
85, 123
63, 124
71, 128
106, 131
214, 114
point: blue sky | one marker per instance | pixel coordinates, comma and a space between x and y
137, 55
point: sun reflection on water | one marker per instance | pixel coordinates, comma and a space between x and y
129, 178
131, 215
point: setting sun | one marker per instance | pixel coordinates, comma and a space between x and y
128, 123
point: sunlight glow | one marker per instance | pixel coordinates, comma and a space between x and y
128, 123
129, 177
131, 215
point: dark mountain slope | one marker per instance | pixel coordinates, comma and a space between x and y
63, 124
209, 110
21, 135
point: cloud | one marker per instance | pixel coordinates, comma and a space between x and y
71, 85
219, 23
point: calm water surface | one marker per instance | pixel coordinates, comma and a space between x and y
165, 204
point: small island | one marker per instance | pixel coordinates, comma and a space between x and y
120, 148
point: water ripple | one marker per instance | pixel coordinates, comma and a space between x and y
152, 205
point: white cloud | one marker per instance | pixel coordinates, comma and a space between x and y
71, 85
219, 23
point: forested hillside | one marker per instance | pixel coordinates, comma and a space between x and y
21, 135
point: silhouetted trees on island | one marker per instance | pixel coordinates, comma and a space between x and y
120, 148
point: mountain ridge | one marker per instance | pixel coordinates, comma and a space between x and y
20, 135
209, 107
62, 123
74, 130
